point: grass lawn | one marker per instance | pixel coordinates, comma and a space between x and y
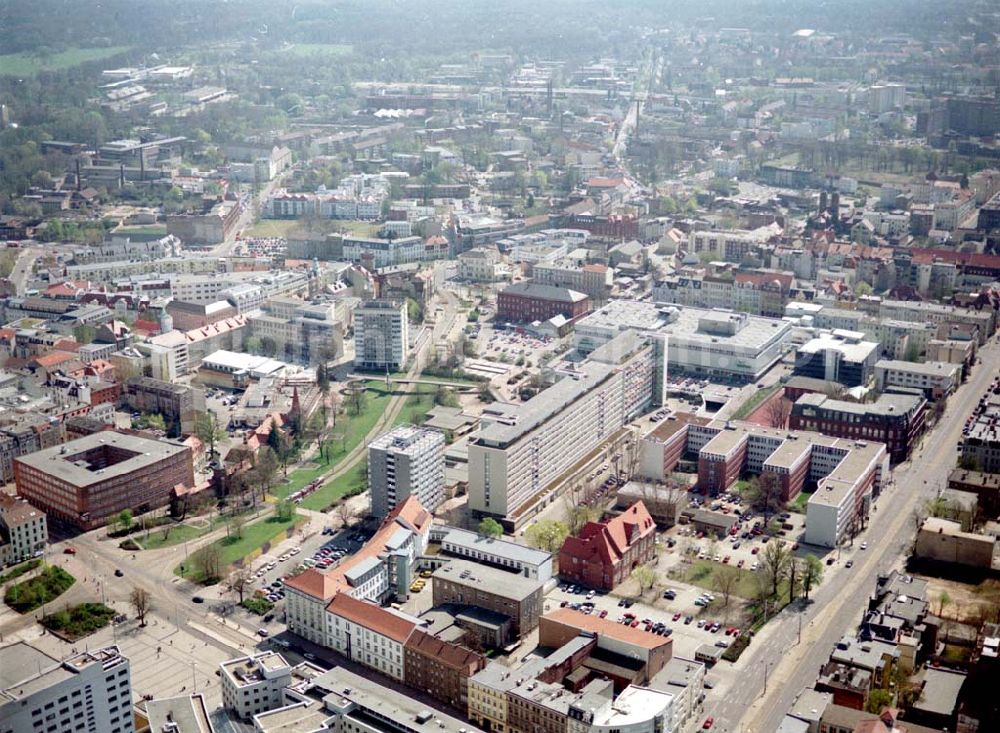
311, 50
28, 64
332, 492
273, 228
755, 401
701, 574
799, 505
416, 407
79, 621
18, 570
43, 588
175, 535
357, 228
256, 535
252, 537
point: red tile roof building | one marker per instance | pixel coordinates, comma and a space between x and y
605, 553
405, 530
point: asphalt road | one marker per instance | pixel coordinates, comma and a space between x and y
777, 655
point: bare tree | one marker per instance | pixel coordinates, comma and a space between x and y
777, 412
346, 512
142, 603
726, 580
774, 564
239, 581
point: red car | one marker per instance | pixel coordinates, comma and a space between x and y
709, 722
754, 551
603, 614
676, 616
69, 551
634, 623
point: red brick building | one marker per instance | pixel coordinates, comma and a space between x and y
604, 553
440, 668
528, 302
89, 481
894, 419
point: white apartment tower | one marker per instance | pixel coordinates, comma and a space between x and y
381, 335
406, 461
85, 693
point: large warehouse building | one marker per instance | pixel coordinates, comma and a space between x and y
87, 482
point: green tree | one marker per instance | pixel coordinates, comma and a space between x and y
284, 510
547, 534
208, 430
125, 520
489, 527
644, 576
862, 289
149, 421
812, 573
878, 700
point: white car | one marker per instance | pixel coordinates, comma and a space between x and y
864, 545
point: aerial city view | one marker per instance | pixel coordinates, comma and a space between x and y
525, 366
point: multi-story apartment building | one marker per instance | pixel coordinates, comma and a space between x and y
178, 403
482, 265
375, 253
24, 531
88, 481
470, 584
759, 293
254, 684
924, 312
440, 667
731, 246
381, 335
720, 344
592, 279
85, 693
841, 356
311, 334
894, 419
406, 461
488, 690
936, 379
603, 554
369, 634
510, 556
527, 302
521, 452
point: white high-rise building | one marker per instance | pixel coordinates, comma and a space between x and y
85, 693
406, 461
522, 453
381, 335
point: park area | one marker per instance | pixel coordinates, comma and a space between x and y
211, 563
35, 592
362, 416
